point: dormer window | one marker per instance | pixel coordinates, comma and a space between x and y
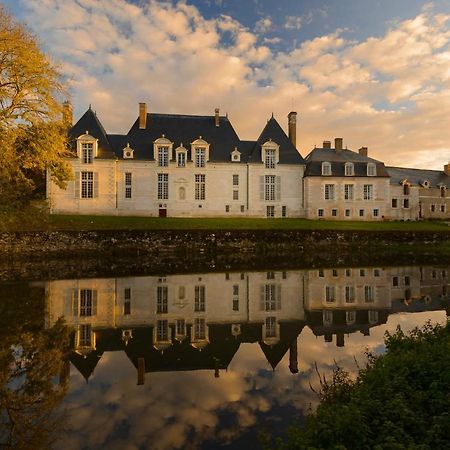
128, 152
425, 184
371, 170
406, 188
162, 148
349, 170
236, 155
443, 190
200, 152
163, 156
326, 168
181, 155
270, 154
87, 148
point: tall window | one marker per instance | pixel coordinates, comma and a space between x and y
329, 192
349, 294
163, 156
349, 170
326, 168
181, 159
350, 317
235, 297
199, 300
270, 158
163, 186
235, 180
371, 170
87, 184
270, 212
127, 301
348, 192
161, 300
200, 182
235, 194
128, 181
271, 299
235, 187
368, 192
269, 187
87, 149
271, 327
181, 327
85, 336
369, 294
200, 154
330, 294
162, 330
199, 329
86, 299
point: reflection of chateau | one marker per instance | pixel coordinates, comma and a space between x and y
198, 321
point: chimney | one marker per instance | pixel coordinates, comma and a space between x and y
326, 144
292, 126
67, 114
293, 358
363, 151
142, 116
447, 169
216, 117
338, 143
141, 369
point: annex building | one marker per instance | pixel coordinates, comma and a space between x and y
197, 166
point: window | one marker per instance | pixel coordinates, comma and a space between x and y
162, 330
350, 317
348, 272
242, 208
227, 208
181, 159
271, 327
329, 192
87, 184
362, 272
376, 272
329, 294
407, 281
327, 318
321, 273
161, 300
270, 211
349, 170
235, 194
128, 180
200, 154
369, 294
375, 213
348, 192
433, 208
361, 213
85, 336
235, 289
235, 180
200, 182
199, 329
320, 212
199, 299
368, 192
371, 170
127, 301
395, 281
180, 327
406, 189
326, 168
86, 301
236, 297
271, 300
334, 273
163, 156
373, 317
283, 211
269, 187
442, 208
163, 186
334, 212
270, 158
394, 203
349, 294
347, 213
87, 150
270, 275
443, 191
406, 203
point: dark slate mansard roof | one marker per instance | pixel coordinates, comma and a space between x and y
337, 159
417, 176
184, 129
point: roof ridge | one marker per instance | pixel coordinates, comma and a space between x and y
413, 168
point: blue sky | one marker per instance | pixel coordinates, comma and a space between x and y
376, 73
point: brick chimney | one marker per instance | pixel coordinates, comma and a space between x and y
326, 144
142, 116
364, 151
217, 117
292, 127
447, 169
67, 114
338, 144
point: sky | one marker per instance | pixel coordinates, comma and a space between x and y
374, 72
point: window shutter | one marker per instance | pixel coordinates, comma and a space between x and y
94, 302
75, 302
77, 184
278, 303
262, 298
261, 187
95, 184
278, 187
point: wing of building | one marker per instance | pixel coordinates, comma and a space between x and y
197, 166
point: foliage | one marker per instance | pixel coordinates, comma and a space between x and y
400, 400
32, 135
31, 358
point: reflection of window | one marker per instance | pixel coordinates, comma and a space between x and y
127, 301
161, 300
394, 281
86, 297
327, 317
271, 327
373, 317
350, 317
330, 294
272, 300
349, 294
199, 329
162, 330
369, 294
181, 327
199, 303
85, 336
181, 292
394, 203
406, 189
407, 281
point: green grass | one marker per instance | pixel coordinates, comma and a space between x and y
72, 222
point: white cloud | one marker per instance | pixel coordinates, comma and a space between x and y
263, 25
117, 54
293, 22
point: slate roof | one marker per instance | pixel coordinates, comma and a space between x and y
418, 176
272, 131
338, 159
89, 122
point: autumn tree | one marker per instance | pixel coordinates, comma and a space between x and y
32, 133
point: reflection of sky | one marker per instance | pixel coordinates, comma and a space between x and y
184, 409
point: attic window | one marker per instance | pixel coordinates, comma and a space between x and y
128, 152
349, 170
326, 168
371, 170
425, 184
443, 189
236, 155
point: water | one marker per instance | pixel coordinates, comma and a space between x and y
212, 360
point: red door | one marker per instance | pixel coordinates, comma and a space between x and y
162, 212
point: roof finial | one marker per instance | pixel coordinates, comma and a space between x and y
90, 106
272, 114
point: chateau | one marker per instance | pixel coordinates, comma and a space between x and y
197, 166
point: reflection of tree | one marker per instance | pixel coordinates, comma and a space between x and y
31, 358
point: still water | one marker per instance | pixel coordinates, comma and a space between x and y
211, 360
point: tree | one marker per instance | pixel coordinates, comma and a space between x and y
32, 133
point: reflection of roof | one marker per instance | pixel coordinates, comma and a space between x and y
418, 176
421, 305
85, 364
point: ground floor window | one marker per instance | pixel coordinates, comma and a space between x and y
375, 213
361, 213
334, 212
87, 184
320, 213
347, 213
406, 203
227, 208
242, 208
270, 211
200, 187
394, 203
283, 211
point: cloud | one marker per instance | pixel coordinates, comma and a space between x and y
263, 25
390, 92
293, 22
